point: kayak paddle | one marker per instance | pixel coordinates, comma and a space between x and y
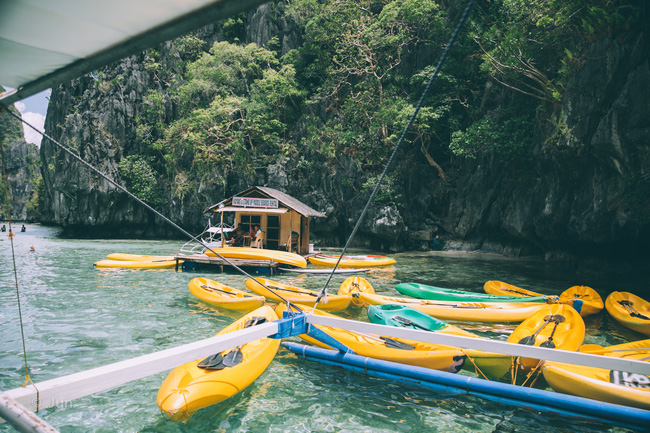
558, 318
530, 339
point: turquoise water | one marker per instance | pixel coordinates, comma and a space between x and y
77, 317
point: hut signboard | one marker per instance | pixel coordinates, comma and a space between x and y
267, 203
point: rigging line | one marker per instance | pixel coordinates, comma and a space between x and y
13, 256
425, 93
137, 199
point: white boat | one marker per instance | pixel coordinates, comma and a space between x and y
210, 238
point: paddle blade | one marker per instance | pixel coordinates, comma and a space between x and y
407, 322
233, 357
394, 344
527, 341
212, 362
548, 343
256, 320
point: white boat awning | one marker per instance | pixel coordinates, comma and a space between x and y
45, 43
250, 209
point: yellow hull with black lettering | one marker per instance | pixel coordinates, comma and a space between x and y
604, 384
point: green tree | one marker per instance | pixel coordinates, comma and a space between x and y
140, 179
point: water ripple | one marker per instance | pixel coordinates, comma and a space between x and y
77, 317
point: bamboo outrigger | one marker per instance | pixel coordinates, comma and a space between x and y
67, 388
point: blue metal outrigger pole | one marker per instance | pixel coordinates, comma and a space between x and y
294, 323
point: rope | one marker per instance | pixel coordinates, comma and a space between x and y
323, 292
533, 371
137, 199
476, 367
513, 370
424, 95
13, 257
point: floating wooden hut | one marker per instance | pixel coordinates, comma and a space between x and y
283, 219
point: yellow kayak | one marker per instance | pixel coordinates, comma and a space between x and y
592, 303
500, 288
491, 365
137, 257
466, 311
282, 292
603, 384
352, 286
360, 261
220, 295
556, 326
259, 254
157, 264
422, 354
630, 311
189, 388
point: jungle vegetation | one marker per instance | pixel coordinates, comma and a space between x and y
353, 82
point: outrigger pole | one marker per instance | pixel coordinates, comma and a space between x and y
61, 390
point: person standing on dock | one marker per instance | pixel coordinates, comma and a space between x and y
239, 236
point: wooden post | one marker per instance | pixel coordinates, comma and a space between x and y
223, 244
304, 235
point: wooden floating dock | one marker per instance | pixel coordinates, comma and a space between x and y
202, 259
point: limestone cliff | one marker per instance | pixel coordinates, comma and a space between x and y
22, 168
587, 194
590, 189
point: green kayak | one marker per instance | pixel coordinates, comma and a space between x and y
422, 291
403, 316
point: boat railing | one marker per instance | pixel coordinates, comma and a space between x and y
210, 238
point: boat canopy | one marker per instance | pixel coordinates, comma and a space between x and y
46, 43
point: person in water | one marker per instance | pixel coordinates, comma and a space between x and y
23, 228
438, 244
3, 229
32, 249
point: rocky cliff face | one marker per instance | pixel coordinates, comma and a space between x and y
22, 168
21, 164
590, 190
587, 193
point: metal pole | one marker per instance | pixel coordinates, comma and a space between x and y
21, 418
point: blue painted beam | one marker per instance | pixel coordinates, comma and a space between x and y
545, 401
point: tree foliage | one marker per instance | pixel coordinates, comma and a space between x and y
529, 45
352, 84
140, 179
